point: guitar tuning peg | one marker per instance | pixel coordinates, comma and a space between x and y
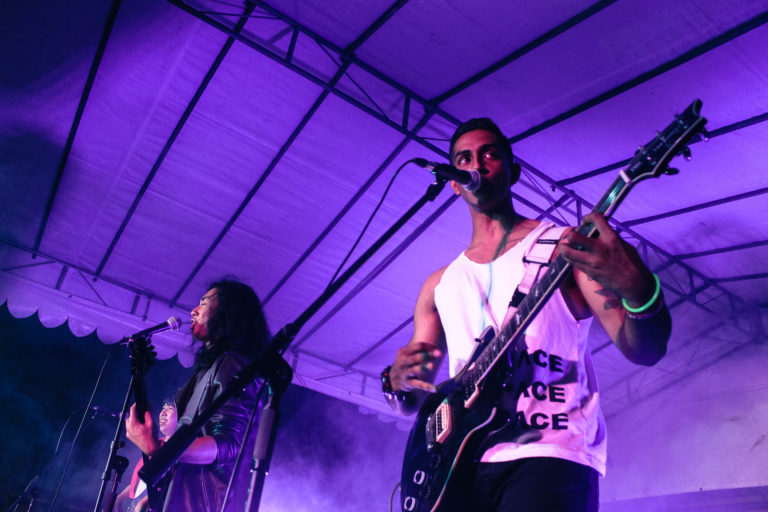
671, 171
705, 135
686, 153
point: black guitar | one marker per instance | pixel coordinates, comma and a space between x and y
455, 420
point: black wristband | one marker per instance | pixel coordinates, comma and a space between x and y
386, 386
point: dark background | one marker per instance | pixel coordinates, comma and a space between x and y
329, 453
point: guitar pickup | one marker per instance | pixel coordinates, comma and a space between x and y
443, 422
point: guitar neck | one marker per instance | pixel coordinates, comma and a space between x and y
141, 359
541, 291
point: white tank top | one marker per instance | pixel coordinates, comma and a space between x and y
552, 394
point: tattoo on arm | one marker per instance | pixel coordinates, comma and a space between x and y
612, 301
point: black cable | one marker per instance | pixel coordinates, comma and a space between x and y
61, 434
392, 496
80, 427
360, 237
48, 466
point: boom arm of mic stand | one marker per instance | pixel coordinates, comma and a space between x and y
285, 336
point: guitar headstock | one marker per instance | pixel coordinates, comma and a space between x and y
651, 160
142, 354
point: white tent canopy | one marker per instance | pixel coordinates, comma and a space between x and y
149, 148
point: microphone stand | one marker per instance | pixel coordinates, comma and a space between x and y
286, 335
271, 366
29, 492
116, 462
262, 450
32, 489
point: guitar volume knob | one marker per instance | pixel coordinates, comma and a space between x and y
409, 504
419, 477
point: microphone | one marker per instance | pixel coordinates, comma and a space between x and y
172, 323
470, 180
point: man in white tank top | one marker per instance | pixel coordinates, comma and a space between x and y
548, 456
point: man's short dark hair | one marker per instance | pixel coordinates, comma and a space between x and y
483, 123
237, 323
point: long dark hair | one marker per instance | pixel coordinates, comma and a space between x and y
237, 323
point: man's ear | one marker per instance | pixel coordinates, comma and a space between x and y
514, 172
455, 187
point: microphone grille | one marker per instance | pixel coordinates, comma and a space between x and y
477, 180
174, 323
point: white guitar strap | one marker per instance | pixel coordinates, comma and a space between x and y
536, 259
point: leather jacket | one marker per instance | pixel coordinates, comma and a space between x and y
195, 487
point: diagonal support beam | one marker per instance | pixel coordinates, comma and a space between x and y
172, 138
247, 199
703, 48
747, 277
342, 212
101, 48
399, 124
380, 267
528, 48
739, 247
723, 130
348, 51
697, 207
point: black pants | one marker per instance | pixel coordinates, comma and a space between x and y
535, 485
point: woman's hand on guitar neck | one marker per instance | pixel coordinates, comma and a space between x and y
141, 434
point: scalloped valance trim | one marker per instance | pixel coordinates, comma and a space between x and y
25, 297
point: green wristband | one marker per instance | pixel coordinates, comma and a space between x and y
648, 304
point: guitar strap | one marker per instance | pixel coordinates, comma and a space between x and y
535, 260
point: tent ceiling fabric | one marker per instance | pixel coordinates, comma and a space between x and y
149, 148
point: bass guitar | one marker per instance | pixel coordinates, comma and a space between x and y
453, 422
